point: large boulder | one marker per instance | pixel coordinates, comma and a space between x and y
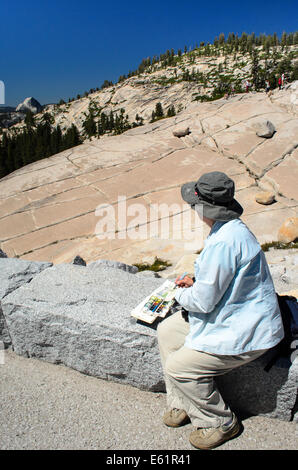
288, 232
265, 198
181, 132
13, 274
80, 317
252, 390
264, 128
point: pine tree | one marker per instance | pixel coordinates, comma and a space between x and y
221, 39
89, 125
255, 70
29, 119
71, 137
171, 111
158, 110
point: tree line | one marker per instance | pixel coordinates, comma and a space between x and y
98, 123
34, 143
42, 140
232, 43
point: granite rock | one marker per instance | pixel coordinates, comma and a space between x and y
288, 232
264, 128
29, 104
181, 132
265, 197
80, 316
113, 264
13, 274
258, 392
50, 209
78, 260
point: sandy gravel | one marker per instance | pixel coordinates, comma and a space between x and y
47, 406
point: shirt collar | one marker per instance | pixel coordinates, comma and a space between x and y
216, 226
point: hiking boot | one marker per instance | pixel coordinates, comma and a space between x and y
175, 418
208, 438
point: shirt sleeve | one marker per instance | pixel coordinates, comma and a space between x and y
216, 271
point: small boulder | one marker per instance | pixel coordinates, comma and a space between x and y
264, 128
288, 232
265, 197
78, 260
2, 254
181, 132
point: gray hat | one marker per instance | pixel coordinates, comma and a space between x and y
215, 191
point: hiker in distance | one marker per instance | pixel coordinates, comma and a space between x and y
233, 316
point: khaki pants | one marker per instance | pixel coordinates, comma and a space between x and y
189, 374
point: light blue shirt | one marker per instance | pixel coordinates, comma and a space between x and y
232, 304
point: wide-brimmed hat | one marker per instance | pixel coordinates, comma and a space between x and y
215, 191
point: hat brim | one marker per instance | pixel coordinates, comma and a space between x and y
211, 211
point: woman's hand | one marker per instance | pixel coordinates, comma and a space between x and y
185, 282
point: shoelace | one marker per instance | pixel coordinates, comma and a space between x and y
205, 431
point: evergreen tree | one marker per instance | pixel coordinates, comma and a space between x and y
71, 138
89, 125
29, 119
171, 111
106, 84
158, 110
255, 71
290, 39
221, 39
3, 156
111, 121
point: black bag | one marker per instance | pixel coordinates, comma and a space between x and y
285, 352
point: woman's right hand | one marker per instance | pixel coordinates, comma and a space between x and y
185, 282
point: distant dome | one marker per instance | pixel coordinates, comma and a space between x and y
29, 104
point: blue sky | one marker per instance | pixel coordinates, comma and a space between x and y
57, 49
